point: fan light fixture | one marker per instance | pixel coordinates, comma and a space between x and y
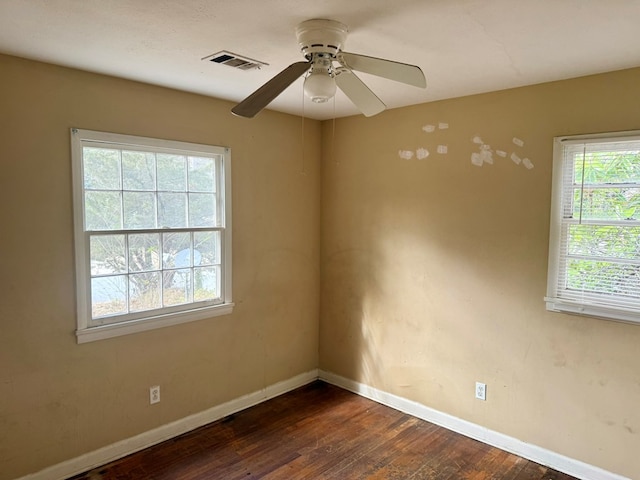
319, 86
320, 83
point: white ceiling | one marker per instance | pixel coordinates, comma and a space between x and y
463, 46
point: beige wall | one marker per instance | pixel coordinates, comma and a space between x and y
434, 270
59, 399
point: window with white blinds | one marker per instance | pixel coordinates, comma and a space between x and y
152, 232
594, 254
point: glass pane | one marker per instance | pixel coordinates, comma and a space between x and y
102, 210
107, 254
144, 291
176, 250
101, 168
608, 167
144, 252
202, 174
607, 203
607, 278
108, 296
139, 210
138, 170
206, 247
202, 208
207, 284
172, 172
604, 241
172, 210
176, 286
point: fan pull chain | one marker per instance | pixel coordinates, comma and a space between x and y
302, 171
333, 133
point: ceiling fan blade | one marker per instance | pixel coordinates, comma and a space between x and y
262, 97
361, 96
400, 72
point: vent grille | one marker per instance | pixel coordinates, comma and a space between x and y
234, 60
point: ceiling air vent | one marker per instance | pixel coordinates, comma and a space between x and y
234, 60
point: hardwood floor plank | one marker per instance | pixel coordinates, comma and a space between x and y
424, 436
371, 461
322, 432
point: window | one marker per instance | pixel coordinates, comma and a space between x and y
594, 254
152, 232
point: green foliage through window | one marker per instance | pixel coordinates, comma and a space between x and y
594, 265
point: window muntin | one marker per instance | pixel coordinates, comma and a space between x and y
594, 263
152, 230
140, 272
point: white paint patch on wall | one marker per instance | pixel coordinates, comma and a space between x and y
485, 155
422, 153
405, 154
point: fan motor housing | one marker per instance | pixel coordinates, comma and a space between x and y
321, 36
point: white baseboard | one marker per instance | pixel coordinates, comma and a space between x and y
131, 445
504, 442
128, 446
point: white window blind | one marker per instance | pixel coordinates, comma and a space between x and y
594, 262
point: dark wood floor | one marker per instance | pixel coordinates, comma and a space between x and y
322, 432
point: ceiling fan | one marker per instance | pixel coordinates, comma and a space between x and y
321, 44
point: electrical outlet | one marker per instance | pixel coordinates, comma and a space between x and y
481, 391
154, 394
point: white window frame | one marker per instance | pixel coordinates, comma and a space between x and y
89, 330
594, 305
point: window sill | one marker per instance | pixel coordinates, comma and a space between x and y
102, 332
597, 311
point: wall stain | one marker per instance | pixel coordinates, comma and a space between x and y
560, 360
630, 429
